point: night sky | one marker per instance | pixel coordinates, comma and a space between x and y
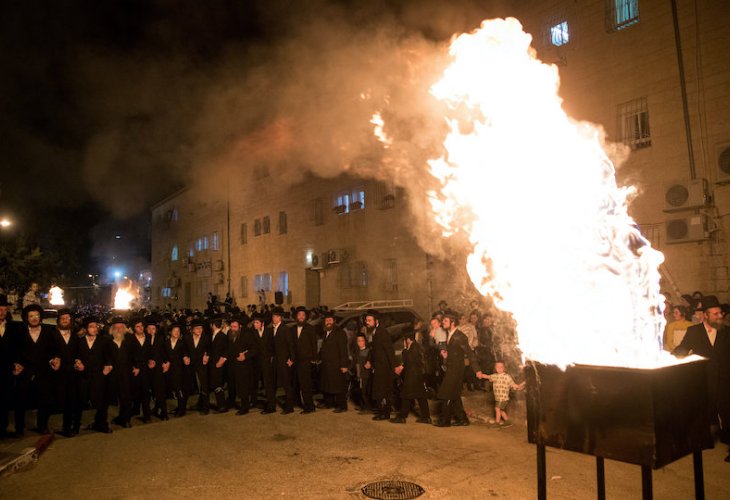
107, 107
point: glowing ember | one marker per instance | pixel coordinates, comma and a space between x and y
55, 296
379, 130
124, 296
536, 194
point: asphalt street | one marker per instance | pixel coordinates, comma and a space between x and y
326, 455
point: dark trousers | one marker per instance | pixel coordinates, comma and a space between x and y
304, 386
199, 378
231, 380
28, 394
384, 406
337, 400
6, 400
93, 389
67, 394
284, 380
263, 376
407, 404
141, 394
452, 408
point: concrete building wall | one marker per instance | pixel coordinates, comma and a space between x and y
378, 258
601, 68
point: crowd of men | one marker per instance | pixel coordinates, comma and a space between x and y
241, 360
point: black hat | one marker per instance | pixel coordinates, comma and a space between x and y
277, 311
409, 334
64, 310
117, 319
302, 308
4, 300
258, 316
31, 307
328, 314
134, 320
89, 319
238, 319
372, 312
451, 314
152, 319
179, 325
710, 301
197, 322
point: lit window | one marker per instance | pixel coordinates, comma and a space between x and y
206, 243
167, 292
199, 245
191, 249
174, 215
559, 34
342, 203
174, 253
262, 282
215, 241
633, 122
358, 198
621, 14
282, 283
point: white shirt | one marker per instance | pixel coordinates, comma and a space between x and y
711, 335
34, 334
196, 340
66, 334
2, 328
299, 330
90, 341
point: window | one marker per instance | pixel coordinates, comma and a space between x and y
262, 282
633, 123
357, 200
385, 195
354, 275
199, 245
174, 253
244, 287
202, 287
167, 292
244, 233
282, 223
391, 275
191, 249
257, 227
215, 241
341, 203
267, 225
282, 283
318, 212
621, 14
559, 34
206, 242
174, 216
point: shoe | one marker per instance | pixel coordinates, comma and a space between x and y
339, 410
126, 425
67, 433
440, 423
322, 405
267, 411
205, 412
461, 423
75, 430
381, 417
222, 409
398, 420
307, 410
100, 428
727, 458
287, 411
164, 417
242, 411
423, 420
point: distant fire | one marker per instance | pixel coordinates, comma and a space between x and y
55, 296
535, 193
126, 294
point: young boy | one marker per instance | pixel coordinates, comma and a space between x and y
363, 370
502, 383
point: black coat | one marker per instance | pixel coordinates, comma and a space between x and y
35, 358
218, 350
382, 357
124, 358
457, 349
305, 343
156, 352
93, 384
197, 369
264, 344
333, 356
284, 348
414, 378
175, 356
718, 370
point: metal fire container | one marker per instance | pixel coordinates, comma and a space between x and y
648, 417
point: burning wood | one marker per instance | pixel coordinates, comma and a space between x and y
55, 296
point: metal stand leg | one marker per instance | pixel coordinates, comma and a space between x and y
699, 475
600, 479
541, 473
646, 484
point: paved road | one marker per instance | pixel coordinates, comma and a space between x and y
325, 455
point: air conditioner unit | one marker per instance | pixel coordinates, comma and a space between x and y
723, 163
687, 229
218, 266
685, 195
333, 256
317, 261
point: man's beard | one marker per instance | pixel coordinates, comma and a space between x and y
300, 323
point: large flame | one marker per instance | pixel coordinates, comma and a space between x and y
536, 194
126, 294
55, 296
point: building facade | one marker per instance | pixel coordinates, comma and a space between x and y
320, 241
619, 63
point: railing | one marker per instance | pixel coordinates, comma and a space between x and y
374, 304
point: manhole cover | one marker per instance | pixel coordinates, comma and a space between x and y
392, 490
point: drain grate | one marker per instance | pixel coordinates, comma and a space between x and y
392, 490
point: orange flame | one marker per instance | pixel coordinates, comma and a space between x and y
125, 295
536, 193
55, 296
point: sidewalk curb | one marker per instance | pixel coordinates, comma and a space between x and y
27, 456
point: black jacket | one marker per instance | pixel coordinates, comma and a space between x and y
284, 348
333, 356
305, 343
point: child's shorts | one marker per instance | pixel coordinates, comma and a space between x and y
502, 405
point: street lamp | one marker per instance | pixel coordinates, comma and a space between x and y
5, 222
